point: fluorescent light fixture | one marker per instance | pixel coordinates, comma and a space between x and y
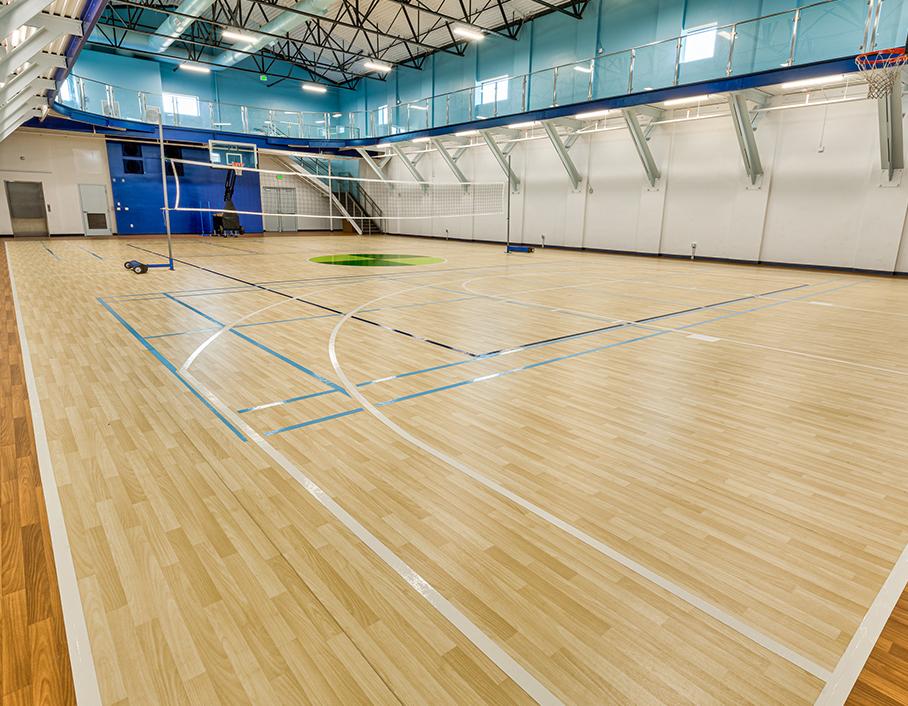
687, 101
523, 126
584, 69
376, 66
221, 124
314, 88
818, 81
195, 68
289, 112
466, 133
336, 115
468, 33
237, 36
418, 107
420, 139
592, 115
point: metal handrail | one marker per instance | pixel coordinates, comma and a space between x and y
438, 108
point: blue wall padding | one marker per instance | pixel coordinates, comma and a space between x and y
138, 198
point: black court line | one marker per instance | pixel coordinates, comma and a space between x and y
315, 304
623, 324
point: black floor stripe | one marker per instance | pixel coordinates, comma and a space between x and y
568, 336
311, 303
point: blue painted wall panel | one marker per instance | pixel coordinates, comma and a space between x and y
139, 201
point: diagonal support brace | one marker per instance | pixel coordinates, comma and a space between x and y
373, 165
449, 160
502, 161
563, 155
740, 115
414, 172
646, 156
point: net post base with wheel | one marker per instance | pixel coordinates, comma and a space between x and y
519, 248
140, 268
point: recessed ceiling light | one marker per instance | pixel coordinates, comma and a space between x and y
687, 101
196, 68
468, 33
376, 66
314, 88
592, 115
818, 81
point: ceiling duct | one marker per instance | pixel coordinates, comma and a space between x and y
284, 23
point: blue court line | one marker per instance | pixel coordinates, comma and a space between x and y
496, 354
90, 252
548, 361
170, 366
262, 346
50, 251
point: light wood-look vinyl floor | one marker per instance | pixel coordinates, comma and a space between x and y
577, 451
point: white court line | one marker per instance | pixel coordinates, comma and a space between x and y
491, 649
85, 679
852, 661
676, 590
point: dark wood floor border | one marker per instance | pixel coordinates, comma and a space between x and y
35, 658
884, 679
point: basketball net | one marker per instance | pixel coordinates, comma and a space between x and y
237, 167
881, 69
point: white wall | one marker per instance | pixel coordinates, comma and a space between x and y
60, 162
820, 201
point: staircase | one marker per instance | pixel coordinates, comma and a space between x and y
358, 204
349, 195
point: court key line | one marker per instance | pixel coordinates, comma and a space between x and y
675, 589
619, 324
491, 649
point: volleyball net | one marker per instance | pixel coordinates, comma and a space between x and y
294, 196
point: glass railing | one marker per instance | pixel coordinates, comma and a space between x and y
823, 30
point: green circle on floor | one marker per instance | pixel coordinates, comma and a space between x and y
372, 259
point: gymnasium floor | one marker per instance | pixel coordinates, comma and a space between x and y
561, 476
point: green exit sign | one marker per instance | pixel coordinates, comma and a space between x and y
280, 177
263, 77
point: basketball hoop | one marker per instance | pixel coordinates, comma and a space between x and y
237, 167
882, 69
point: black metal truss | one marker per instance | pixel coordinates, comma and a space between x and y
317, 47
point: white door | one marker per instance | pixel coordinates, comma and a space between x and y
271, 204
95, 218
288, 205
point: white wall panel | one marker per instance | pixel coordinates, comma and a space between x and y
820, 202
60, 162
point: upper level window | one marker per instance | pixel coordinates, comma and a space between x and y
381, 115
699, 43
492, 90
179, 104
